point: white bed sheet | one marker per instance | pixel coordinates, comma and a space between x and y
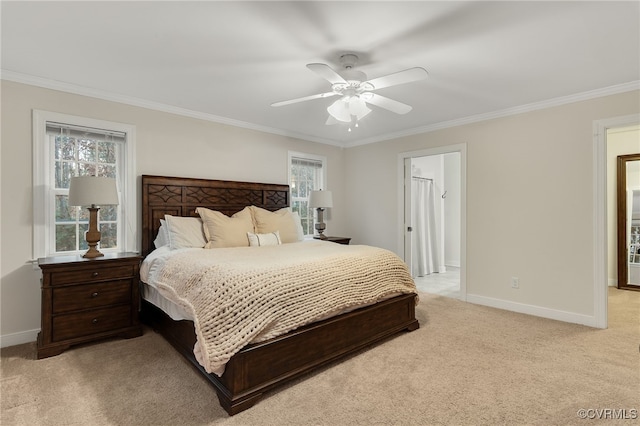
151, 264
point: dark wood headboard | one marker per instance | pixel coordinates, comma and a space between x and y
181, 196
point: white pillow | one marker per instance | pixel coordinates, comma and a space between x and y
282, 220
162, 239
270, 239
185, 232
223, 231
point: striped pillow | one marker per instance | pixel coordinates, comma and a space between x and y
270, 239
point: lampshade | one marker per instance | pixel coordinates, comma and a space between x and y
358, 107
345, 107
320, 199
340, 110
92, 190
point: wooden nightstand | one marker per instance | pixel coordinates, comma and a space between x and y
339, 240
88, 299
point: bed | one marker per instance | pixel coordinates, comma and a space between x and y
263, 366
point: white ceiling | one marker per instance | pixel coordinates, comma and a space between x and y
228, 61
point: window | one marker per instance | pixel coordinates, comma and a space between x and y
306, 173
67, 146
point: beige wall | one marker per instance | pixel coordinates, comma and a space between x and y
529, 202
529, 190
166, 145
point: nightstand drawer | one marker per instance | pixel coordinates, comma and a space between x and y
70, 326
91, 274
88, 296
87, 299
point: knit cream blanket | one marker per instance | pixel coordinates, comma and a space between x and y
250, 294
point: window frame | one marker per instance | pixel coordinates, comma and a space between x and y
314, 157
43, 179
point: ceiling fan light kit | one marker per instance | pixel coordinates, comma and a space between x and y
356, 91
344, 108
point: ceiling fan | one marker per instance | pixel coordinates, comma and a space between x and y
356, 91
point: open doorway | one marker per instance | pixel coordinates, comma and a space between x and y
432, 218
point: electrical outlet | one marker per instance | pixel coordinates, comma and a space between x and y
515, 282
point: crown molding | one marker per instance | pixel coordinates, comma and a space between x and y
592, 94
142, 103
157, 106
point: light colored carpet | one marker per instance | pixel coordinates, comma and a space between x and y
467, 364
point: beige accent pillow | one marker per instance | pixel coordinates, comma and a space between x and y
224, 231
282, 220
270, 239
184, 232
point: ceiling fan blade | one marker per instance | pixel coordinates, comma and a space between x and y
400, 77
386, 103
326, 72
306, 98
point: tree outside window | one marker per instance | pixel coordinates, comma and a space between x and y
306, 174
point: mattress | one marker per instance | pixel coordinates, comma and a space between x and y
242, 295
149, 292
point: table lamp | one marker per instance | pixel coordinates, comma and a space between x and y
320, 200
92, 191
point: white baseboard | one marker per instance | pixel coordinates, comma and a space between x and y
452, 264
31, 335
13, 339
537, 311
613, 282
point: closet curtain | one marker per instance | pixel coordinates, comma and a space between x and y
426, 248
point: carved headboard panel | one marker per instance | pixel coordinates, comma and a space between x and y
181, 196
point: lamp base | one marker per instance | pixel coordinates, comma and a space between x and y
92, 253
320, 225
93, 235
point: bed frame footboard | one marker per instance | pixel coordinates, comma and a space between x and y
261, 367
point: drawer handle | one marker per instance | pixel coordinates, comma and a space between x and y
95, 274
94, 294
94, 321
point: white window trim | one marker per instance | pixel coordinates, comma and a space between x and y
321, 158
306, 156
42, 170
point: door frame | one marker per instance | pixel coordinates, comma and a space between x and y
400, 222
600, 238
